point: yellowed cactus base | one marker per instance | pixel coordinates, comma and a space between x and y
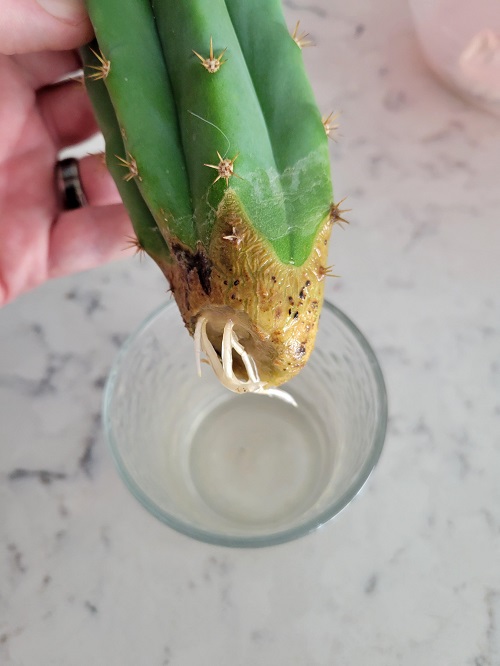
272, 308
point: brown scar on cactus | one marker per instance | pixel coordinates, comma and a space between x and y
336, 213
102, 70
211, 64
330, 125
131, 165
225, 168
301, 39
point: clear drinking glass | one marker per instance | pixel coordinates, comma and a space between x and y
460, 40
244, 470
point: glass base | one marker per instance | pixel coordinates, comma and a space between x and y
258, 460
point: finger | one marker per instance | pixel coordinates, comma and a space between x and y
67, 113
97, 183
87, 237
43, 25
42, 69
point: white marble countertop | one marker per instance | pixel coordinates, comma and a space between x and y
410, 572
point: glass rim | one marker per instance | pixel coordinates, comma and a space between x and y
255, 541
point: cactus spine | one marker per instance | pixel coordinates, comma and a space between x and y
221, 157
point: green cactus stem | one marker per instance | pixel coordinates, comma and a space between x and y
148, 235
222, 161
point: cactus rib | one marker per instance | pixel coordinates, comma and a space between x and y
127, 37
147, 232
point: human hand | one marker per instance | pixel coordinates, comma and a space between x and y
38, 117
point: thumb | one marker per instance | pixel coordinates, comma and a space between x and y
43, 25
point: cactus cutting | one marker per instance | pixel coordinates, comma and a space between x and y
222, 162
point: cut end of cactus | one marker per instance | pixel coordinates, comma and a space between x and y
253, 317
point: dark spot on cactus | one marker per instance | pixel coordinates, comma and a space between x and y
236, 283
301, 350
308, 283
198, 262
273, 278
290, 311
233, 296
302, 294
225, 282
290, 300
204, 270
295, 316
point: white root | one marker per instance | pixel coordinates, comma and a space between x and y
197, 345
227, 351
223, 365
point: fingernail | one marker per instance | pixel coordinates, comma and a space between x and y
64, 9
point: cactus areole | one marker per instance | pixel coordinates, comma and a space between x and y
220, 155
